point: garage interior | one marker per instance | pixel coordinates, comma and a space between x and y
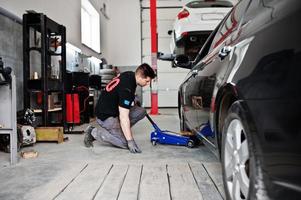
64, 168
57, 58
71, 171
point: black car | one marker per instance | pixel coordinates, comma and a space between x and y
243, 98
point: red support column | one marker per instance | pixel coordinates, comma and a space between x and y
154, 50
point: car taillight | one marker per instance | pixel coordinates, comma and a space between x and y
184, 34
184, 13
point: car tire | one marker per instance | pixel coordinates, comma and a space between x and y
107, 77
107, 71
242, 174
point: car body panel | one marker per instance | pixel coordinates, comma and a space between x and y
263, 70
200, 19
191, 32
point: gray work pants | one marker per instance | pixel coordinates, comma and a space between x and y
110, 130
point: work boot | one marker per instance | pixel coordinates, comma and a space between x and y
88, 140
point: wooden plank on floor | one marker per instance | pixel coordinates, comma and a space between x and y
215, 172
54, 187
110, 189
87, 183
205, 183
154, 183
130, 188
182, 183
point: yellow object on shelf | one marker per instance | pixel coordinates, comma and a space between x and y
45, 134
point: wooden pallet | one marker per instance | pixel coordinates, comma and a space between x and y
147, 181
50, 134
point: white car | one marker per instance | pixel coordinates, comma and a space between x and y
194, 23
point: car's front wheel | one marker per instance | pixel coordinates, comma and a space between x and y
241, 169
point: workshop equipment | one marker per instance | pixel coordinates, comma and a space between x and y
26, 132
28, 135
50, 134
168, 137
44, 85
72, 109
8, 121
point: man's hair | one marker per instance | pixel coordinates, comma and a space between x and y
146, 71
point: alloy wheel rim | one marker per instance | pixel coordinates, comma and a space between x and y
236, 161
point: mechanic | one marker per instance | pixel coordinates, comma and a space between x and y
116, 110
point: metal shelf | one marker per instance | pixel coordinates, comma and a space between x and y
50, 32
49, 110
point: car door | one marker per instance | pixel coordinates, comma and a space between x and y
195, 106
193, 103
197, 88
216, 63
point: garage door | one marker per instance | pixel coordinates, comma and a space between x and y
169, 78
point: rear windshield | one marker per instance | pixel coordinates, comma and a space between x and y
206, 4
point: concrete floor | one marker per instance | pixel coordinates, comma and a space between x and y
60, 168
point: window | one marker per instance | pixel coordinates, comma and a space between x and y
90, 30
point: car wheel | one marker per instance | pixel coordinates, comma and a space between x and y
242, 174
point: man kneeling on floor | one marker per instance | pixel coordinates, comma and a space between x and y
116, 112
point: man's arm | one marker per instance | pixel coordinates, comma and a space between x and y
125, 122
126, 129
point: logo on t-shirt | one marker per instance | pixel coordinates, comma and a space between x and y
112, 84
126, 102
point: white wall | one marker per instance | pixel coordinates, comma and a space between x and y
169, 78
65, 12
121, 33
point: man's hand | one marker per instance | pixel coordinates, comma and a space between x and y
133, 147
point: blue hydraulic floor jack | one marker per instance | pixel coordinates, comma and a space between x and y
168, 137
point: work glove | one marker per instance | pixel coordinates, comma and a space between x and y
133, 147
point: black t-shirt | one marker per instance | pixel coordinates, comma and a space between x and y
119, 92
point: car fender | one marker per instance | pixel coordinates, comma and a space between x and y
224, 98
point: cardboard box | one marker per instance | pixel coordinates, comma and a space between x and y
29, 154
